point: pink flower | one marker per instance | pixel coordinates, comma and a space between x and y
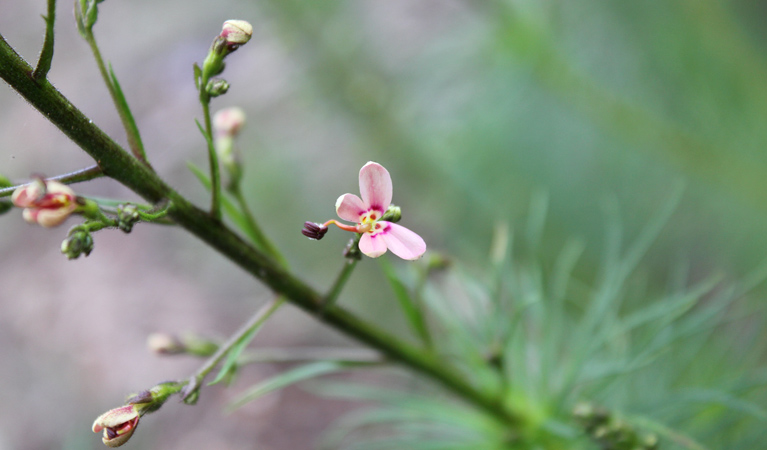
46, 203
377, 235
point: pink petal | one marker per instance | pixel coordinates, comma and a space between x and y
402, 242
375, 186
26, 196
350, 207
372, 246
47, 217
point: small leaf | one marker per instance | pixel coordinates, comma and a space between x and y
291, 377
229, 207
230, 365
197, 76
413, 313
134, 138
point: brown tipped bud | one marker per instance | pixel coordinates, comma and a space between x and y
314, 231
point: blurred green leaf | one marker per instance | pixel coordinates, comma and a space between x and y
291, 376
409, 306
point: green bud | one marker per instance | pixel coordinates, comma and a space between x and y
77, 243
127, 216
393, 214
5, 207
352, 250
217, 86
5, 182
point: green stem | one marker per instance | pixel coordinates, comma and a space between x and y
309, 354
89, 173
119, 165
215, 175
126, 117
338, 285
46, 54
255, 230
195, 381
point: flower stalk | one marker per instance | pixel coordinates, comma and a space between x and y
234, 33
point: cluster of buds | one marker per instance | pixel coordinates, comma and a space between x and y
227, 124
119, 424
611, 431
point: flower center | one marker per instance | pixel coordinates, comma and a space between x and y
369, 222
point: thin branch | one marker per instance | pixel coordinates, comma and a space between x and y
309, 354
195, 381
89, 173
46, 54
123, 110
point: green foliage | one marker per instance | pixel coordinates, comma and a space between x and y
668, 365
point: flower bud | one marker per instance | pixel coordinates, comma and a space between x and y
165, 344
77, 243
314, 231
393, 214
228, 121
127, 216
118, 425
236, 33
46, 203
217, 86
5, 207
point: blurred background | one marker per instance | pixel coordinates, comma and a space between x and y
473, 106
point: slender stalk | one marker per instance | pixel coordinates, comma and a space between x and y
89, 173
46, 54
341, 279
263, 313
129, 124
308, 354
119, 165
215, 173
255, 230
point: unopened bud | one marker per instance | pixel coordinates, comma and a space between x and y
236, 32
393, 214
127, 216
217, 86
5, 207
5, 182
352, 249
228, 121
165, 344
77, 243
46, 203
118, 425
314, 231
